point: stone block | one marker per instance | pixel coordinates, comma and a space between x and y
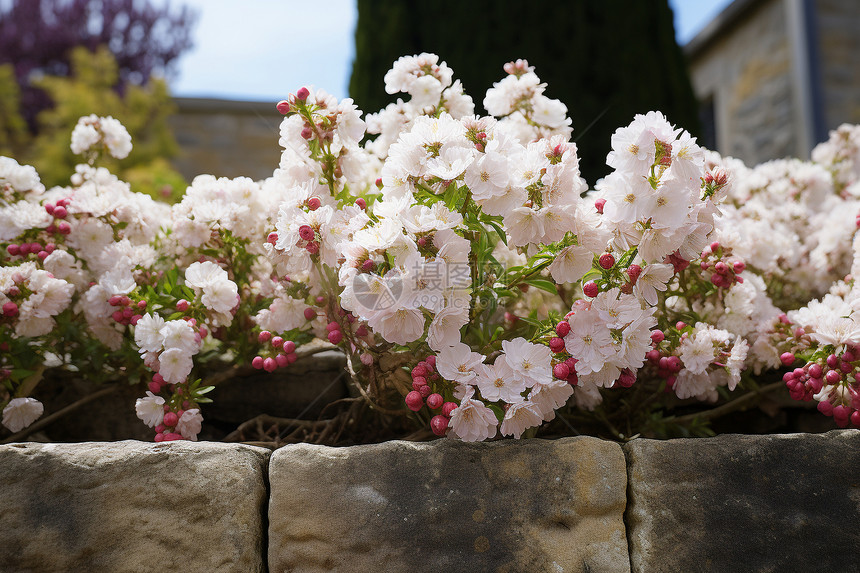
507, 506
132, 507
745, 503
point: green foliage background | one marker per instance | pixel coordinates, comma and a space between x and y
91, 88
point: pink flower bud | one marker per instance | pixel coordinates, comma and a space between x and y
814, 370
10, 309
270, 365
272, 238
414, 401
13, 249
135, 318
64, 228
170, 419
289, 347
283, 107
314, 203
172, 437
292, 357
158, 378
49, 208
302, 94
60, 212
556, 345
277, 341
182, 305
562, 328
435, 401
657, 336
787, 358
313, 248
424, 391
599, 204
361, 203
680, 325
368, 265
448, 408
366, 358
714, 246
307, 133
439, 425
257, 362
590, 289
282, 360
739, 266
418, 382
306, 233
264, 336
42, 255
841, 415
561, 371
633, 271
310, 313
335, 336
606, 260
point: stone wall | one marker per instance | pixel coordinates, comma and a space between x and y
730, 503
226, 138
745, 69
838, 32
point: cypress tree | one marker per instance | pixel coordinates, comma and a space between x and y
607, 61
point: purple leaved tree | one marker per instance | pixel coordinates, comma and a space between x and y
37, 36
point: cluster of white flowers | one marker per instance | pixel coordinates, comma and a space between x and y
94, 131
519, 99
462, 250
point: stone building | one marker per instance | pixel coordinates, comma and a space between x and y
226, 138
774, 76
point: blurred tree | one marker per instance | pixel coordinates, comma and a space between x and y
91, 89
607, 61
37, 37
13, 128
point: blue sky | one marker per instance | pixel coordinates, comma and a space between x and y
263, 49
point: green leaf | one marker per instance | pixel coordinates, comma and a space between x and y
500, 414
543, 284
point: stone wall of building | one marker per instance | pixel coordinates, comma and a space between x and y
745, 70
838, 42
729, 503
226, 138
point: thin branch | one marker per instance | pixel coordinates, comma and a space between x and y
730, 407
47, 420
236, 434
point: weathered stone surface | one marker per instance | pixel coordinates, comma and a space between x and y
745, 503
132, 507
449, 506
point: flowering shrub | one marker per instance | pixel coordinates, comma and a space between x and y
459, 261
